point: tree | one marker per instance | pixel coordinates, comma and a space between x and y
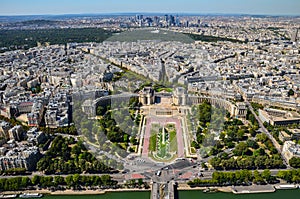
76, 150
67, 156
76, 178
46, 181
252, 132
261, 137
230, 163
140, 182
59, 180
291, 92
286, 175
19, 183
245, 163
266, 174
260, 162
214, 151
294, 162
216, 163
240, 149
25, 182
257, 178
251, 118
35, 180
252, 144
200, 138
259, 152
125, 137
133, 140
204, 113
69, 180
240, 134
100, 110
195, 145
106, 179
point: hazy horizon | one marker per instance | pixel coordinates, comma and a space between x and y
81, 7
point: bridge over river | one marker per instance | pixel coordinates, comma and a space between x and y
163, 185
164, 190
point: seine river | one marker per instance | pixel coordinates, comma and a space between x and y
280, 194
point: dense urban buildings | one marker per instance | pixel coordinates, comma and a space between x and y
223, 91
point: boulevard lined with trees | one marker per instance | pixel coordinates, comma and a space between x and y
75, 181
246, 177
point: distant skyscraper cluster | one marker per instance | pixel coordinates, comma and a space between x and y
165, 21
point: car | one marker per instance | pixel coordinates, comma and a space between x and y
158, 173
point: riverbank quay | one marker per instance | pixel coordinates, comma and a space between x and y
94, 192
287, 186
185, 187
241, 189
180, 187
73, 192
253, 189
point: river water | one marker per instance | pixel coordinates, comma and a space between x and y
279, 194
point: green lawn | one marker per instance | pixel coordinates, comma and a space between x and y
173, 141
169, 90
152, 144
163, 151
153, 136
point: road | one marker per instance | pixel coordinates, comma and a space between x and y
264, 130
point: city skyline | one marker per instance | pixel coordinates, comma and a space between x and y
150, 96
55, 7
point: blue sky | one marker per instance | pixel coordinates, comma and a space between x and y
27, 7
